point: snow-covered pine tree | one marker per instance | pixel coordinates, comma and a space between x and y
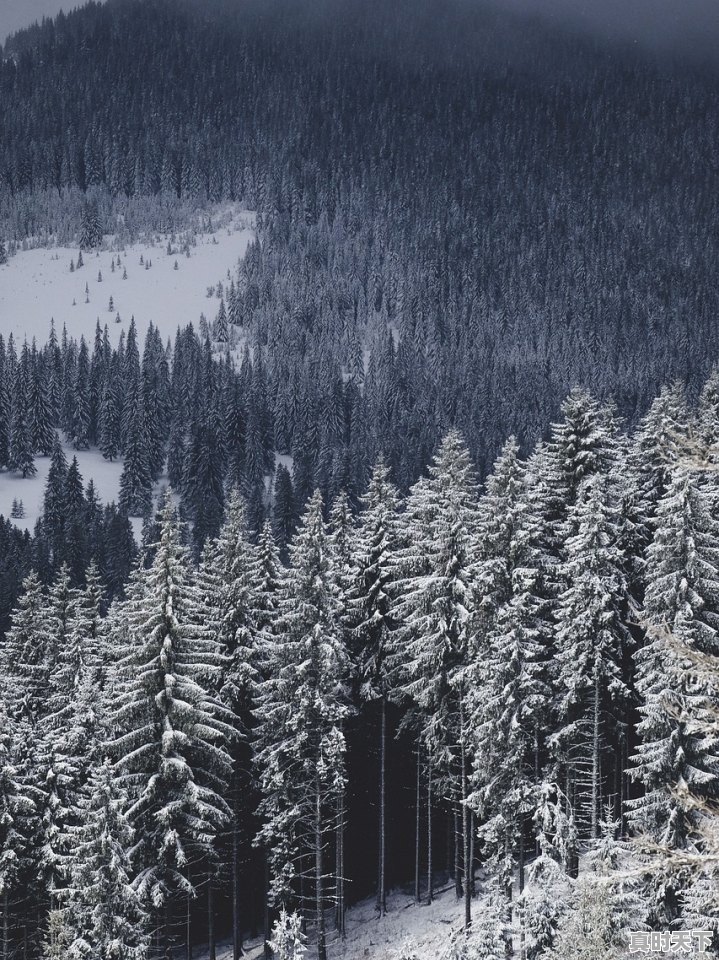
302, 704
654, 450
584, 443
593, 642
16, 810
510, 694
678, 758
221, 330
54, 506
203, 490
225, 581
432, 647
28, 655
288, 941
90, 227
3, 252
41, 426
109, 420
370, 615
341, 531
103, 913
79, 432
20, 455
136, 481
171, 732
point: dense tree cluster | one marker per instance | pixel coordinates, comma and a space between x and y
519, 213
540, 653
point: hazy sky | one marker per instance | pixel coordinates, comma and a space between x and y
687, 24
15, 14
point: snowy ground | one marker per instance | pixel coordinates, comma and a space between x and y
427, 929
37, 285
31, 490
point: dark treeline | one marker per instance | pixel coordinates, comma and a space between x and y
530, 668
522, 212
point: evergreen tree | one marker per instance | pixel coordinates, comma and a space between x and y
510, 699
203, 487
55, 503
20, 456
105, 916
432, 647
90, 228
16, 810
302, 702
678, 757
283, 511
371, 616
43, 434
28, 656
172, 733
593, 642
136, 481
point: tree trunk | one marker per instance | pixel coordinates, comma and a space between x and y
188, 922
381, 892
237, 950
267, 927
457, 874
521, 854
508, 942
319, 893
465, 826
473, 833
430, 878
212, 949
340, 865
5, 927
595, 759
418, 825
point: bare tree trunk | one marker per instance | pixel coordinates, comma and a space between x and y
267, 930
521, 853
319, 893
430, 878
418, 825
473, 829
596, 772
237, 950
381, 892
508, 942
465, 825
5, 927
188, 921
212, 949
340, 865
457, 874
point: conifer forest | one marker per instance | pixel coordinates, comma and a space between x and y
388, 581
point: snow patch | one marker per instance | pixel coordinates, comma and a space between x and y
37, 285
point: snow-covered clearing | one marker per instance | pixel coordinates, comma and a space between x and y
38, 285
426, 928
30, 491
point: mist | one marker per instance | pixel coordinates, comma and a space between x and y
686, 27
16, 14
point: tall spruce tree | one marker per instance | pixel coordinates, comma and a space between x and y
678, 757
171, 731
371, 619
432, 647
302, 703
